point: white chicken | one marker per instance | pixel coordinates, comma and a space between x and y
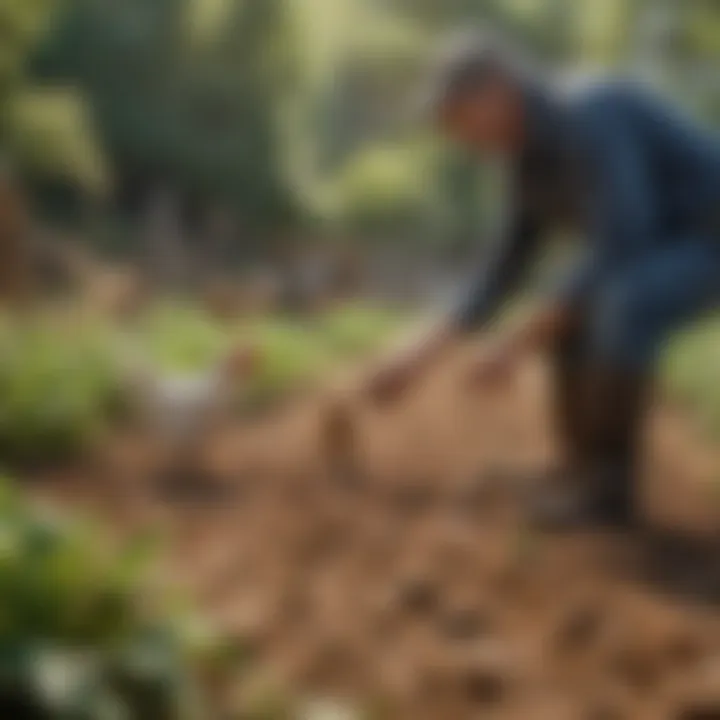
179, 411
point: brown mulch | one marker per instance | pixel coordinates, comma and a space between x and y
381, 557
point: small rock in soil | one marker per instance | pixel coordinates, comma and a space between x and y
487, 674
578, 628
417, 594
464, 623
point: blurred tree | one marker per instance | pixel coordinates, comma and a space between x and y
47, 131
399, 190
51, 135
369, 94
21, 23
388, 192
187, 110
46, 135
254, 109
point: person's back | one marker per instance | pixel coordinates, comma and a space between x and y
681, 157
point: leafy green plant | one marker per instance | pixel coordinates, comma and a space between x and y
691, 371
293, 356
57, 384
358, 329
299, 355
63, 382
82, 635
181, 338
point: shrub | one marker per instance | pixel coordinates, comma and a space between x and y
81, 632
58, 386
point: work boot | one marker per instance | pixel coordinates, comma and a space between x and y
603, 489
590, 501
621, 403
570, 395
570, 385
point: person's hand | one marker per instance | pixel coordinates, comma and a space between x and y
391, 379
498, 362
495, 365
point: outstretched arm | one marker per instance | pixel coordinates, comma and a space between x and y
509, 259
501, 274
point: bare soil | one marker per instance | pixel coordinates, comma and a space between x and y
381, 557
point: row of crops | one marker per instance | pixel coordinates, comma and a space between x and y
63, 382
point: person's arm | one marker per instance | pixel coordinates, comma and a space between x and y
501, 274
620, 225
505, 265
509, 259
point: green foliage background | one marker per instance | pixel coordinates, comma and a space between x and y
270, 108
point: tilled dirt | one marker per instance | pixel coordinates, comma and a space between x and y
382, 558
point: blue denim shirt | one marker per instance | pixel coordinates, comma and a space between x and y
616, 163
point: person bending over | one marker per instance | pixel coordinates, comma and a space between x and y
641, 183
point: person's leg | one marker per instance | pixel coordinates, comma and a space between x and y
569, 385
618, 402
555, 495
637, 310
631, 318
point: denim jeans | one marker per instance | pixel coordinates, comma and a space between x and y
635, 310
